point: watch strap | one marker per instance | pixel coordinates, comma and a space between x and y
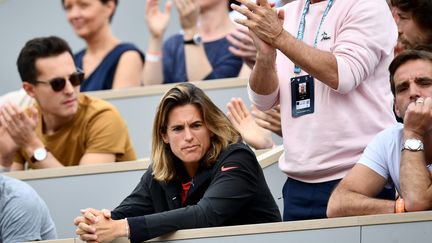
196, 40
191, 41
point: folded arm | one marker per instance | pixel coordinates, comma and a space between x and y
354, 194
416, 180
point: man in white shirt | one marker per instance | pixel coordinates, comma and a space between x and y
401, 154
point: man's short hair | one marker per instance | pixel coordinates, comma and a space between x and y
420, 11
405, 56
36, 48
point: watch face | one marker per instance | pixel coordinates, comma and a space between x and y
413, 144
40, 154
197, 39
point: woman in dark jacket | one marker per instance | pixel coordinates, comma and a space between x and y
201, 176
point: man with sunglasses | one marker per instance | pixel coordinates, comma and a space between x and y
65, 127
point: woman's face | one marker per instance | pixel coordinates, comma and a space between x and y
187, 134
87, 17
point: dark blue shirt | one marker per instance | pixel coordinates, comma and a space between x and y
102, 77
223, 62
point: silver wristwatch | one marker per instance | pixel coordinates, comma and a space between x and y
196, 40
413, 144
39, 154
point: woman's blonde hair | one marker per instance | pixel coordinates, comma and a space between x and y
224, 134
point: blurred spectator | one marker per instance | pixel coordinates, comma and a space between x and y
199, 53
413, 18
106, 61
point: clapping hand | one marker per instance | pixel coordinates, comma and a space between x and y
245, 124
157, 21
270, 119
19, 126
242, 45
188, 13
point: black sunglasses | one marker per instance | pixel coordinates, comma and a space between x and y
58, 84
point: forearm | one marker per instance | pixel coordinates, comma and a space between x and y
197, 64
152, 72
49, 162
263, 79
322, 65
416, 183
348, 203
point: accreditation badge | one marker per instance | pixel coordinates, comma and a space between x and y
302, 95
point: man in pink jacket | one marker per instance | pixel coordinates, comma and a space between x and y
340, 51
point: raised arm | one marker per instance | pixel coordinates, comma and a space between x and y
354, 194
416, 180
195, 55
267, 24
349, 62
263, 79
157, 23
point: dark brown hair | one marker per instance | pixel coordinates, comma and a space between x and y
404, 57
39, 48
420, 11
